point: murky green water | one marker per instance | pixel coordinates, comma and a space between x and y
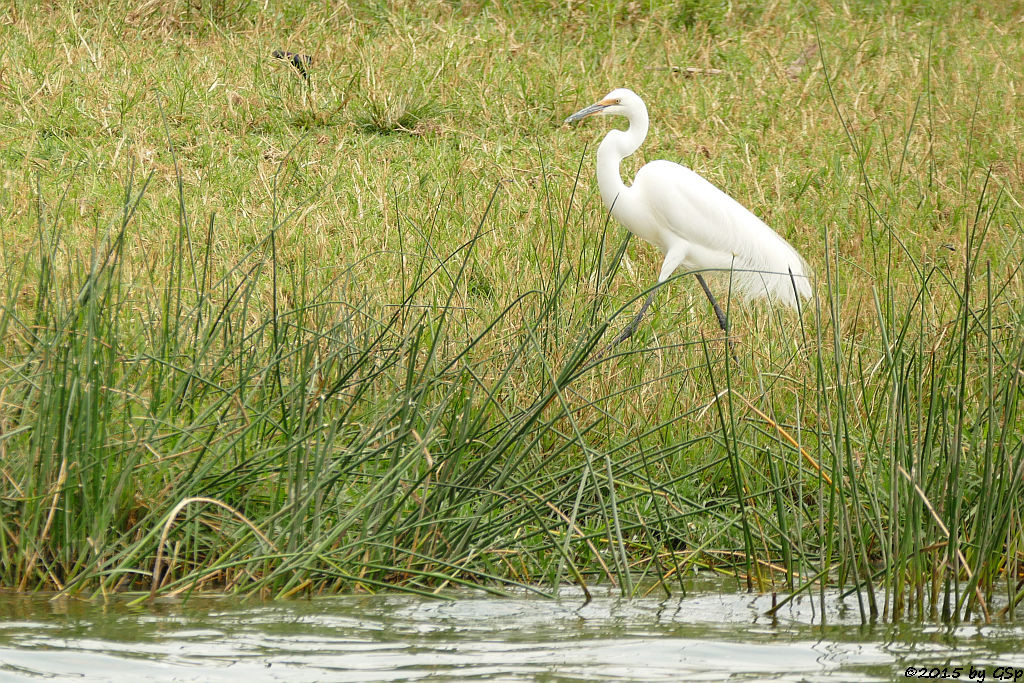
709, 635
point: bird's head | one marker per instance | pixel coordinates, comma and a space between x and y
620, 101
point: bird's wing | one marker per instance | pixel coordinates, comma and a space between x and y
720, 232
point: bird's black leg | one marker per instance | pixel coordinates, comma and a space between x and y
723, 322
628, 331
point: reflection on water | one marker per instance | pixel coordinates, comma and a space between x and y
706, 636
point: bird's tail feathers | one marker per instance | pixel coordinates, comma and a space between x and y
785, 281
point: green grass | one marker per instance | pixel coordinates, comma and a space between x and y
271, 336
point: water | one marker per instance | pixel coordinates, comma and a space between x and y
711, 634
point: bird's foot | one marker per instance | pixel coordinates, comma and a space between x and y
626, 333
731, 348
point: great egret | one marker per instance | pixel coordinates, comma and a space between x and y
695, 224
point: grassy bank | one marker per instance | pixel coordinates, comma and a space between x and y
281, 336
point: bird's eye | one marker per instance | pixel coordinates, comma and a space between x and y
618, 101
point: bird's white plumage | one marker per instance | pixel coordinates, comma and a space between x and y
691, 221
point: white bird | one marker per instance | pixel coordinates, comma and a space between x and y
695, 224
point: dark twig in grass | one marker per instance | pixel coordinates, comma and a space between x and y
299, 62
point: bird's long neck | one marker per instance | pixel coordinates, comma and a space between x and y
615, 147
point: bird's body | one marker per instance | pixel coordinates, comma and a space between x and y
692, 222
697, 226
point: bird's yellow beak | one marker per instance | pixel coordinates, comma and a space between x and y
589, 111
